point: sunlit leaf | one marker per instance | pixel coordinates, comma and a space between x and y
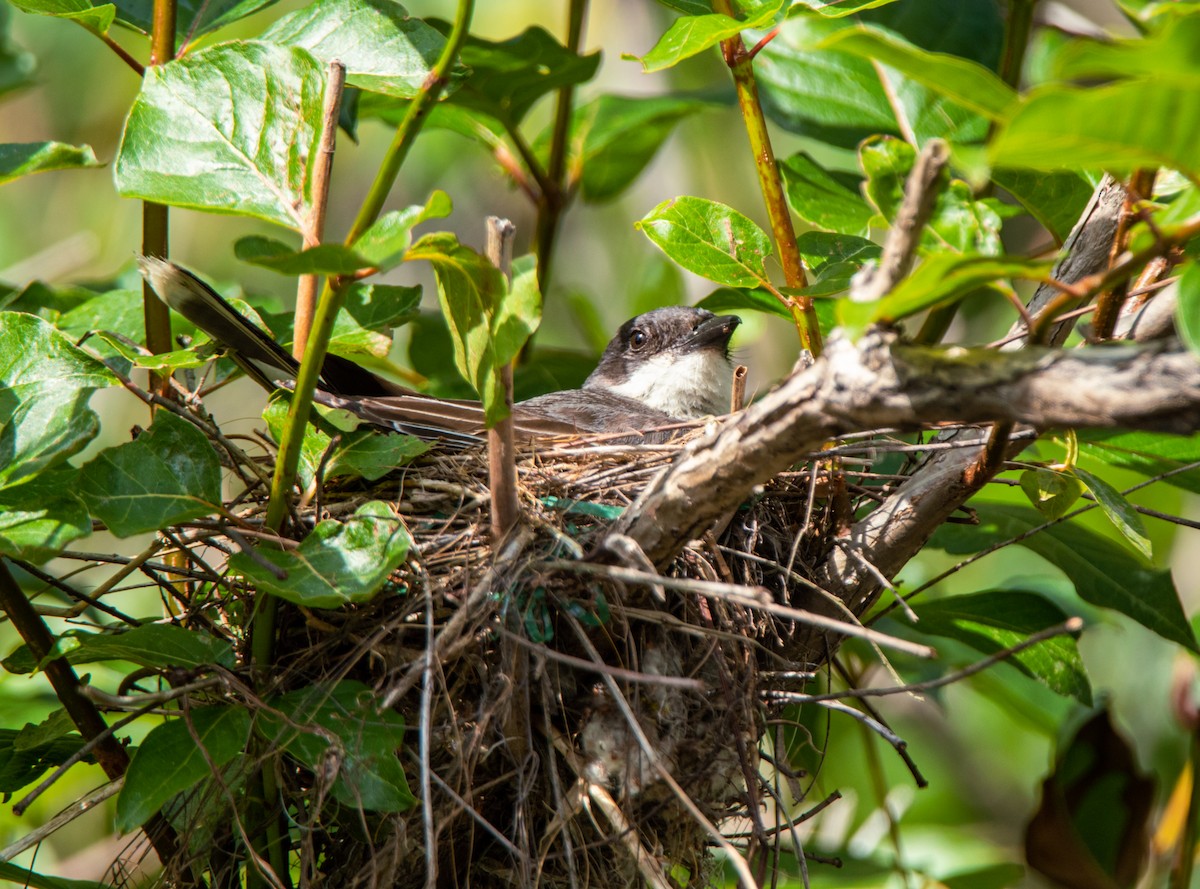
168, 474
384, 49
1118, 127
1150, 453
176, 756
193, 18
39, 516
97, 19
822, 200
19, 159
339, 563
692, 34
967, 83
1103, 574
1051, 493
228, 129
838, 8
993, 621
1118, 510
709, 239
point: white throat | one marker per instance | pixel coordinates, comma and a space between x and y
686, 387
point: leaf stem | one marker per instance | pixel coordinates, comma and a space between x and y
155, 218
314, 229
554, 198
124, 56
741, 66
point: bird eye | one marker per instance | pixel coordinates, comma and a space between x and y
638, 339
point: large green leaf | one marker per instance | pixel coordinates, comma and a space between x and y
1172, 53
21, 767
619, 135
176, 756
368, 740
709, 239
1150, 453
507, 77
157, 646
940, 279
1187, 311
1120, 127
228, 129
839, 8
1119, 511
993, 621
45, 383
692, 34
97, 19
339, 563
1056, 200
193, 18
967, 83
821, 200
39, 516
1103, 574
485, 318
168, 474
19, 159
28, 879
384, 49
958, 221
732, 299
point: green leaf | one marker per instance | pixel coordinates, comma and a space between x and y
193, 18
19, 159
384, 243
993, 621
939, 279
968, 83
19, 768
709, 239
1119, 127
97, 19
619, 135
339, 563
958, 220
28, 879
1187, 311
692, 34
370, 774
507, 77
471, 291
1150, 453
520, 311
45, 383
228, 129
822, 200
1118, 510
157, 646
372, 455
1051, 493
1056, 200
731, 299
168, 474
54, 727
820, 249
40, 516
1103, 574
384, 49
172, 759
323, 259
1172, 53
363, 329
837, 8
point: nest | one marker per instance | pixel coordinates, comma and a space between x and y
569, 722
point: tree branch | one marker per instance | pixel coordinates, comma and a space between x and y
880, 382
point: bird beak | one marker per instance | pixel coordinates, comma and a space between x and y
714, 332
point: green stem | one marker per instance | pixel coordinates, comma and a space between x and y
1016, 40
741, 65
155, 219
554, 198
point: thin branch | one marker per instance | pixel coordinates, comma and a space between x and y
314, 229
502, 457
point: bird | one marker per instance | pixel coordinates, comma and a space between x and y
664, 367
